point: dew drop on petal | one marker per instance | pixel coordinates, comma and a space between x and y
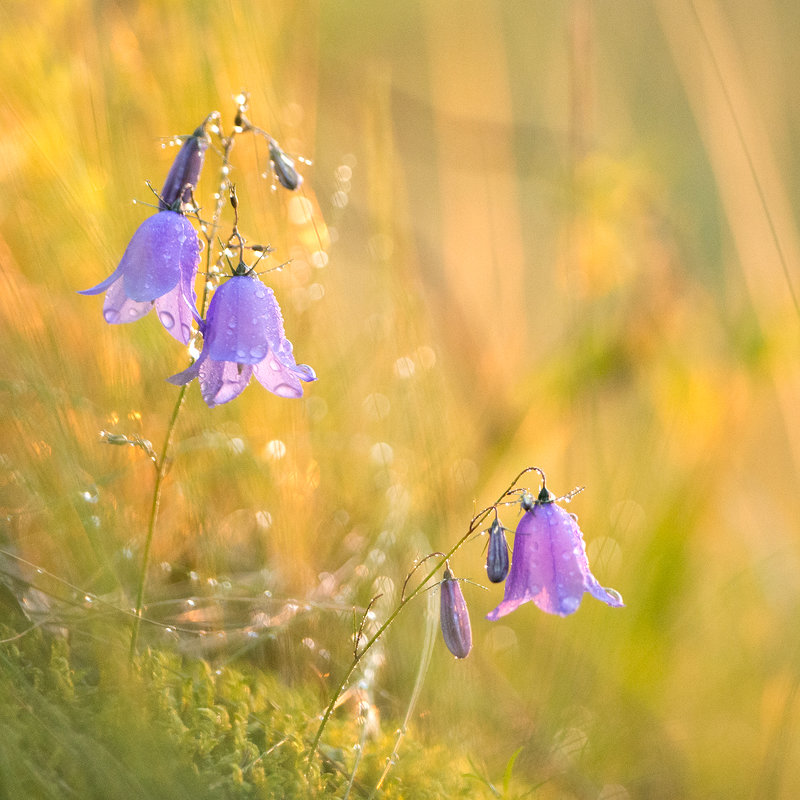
613, 592
167, 320
111, 316
570, 604
284, 390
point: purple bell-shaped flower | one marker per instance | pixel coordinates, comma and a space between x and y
157, 270
549, 565
243, 336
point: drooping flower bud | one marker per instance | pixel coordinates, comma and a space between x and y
497, 560
456, 628
284, 167
185, 171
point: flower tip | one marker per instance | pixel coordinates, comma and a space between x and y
613, 597
306, 373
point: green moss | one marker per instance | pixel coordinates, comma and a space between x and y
176, 727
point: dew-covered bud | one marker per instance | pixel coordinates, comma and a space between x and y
185, 172
497, 561
114, 438
283, 167
456, 628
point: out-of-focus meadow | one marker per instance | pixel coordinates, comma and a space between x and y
553, 233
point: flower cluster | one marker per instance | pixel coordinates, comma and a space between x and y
548, 567
243, 329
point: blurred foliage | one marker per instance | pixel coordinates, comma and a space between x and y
559, 233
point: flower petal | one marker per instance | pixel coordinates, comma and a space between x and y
238, 318
119, 308
154, 257
175, 314
103, 285
280, 379
276, 336
222, 381
189, 374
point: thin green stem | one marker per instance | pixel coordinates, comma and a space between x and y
161, 465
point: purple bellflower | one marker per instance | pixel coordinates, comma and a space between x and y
549, 564
456, 628
185, 172
157, 269
243, 336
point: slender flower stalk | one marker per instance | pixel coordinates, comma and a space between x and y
161, 465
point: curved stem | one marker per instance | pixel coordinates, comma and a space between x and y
161, 470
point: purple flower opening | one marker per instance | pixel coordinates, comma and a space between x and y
456, 628
157, 270
549, 564
185, 172
243, 337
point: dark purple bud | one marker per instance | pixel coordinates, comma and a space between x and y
185, 172
456, 628
528, 502
283, 167
497, 561
545, 496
